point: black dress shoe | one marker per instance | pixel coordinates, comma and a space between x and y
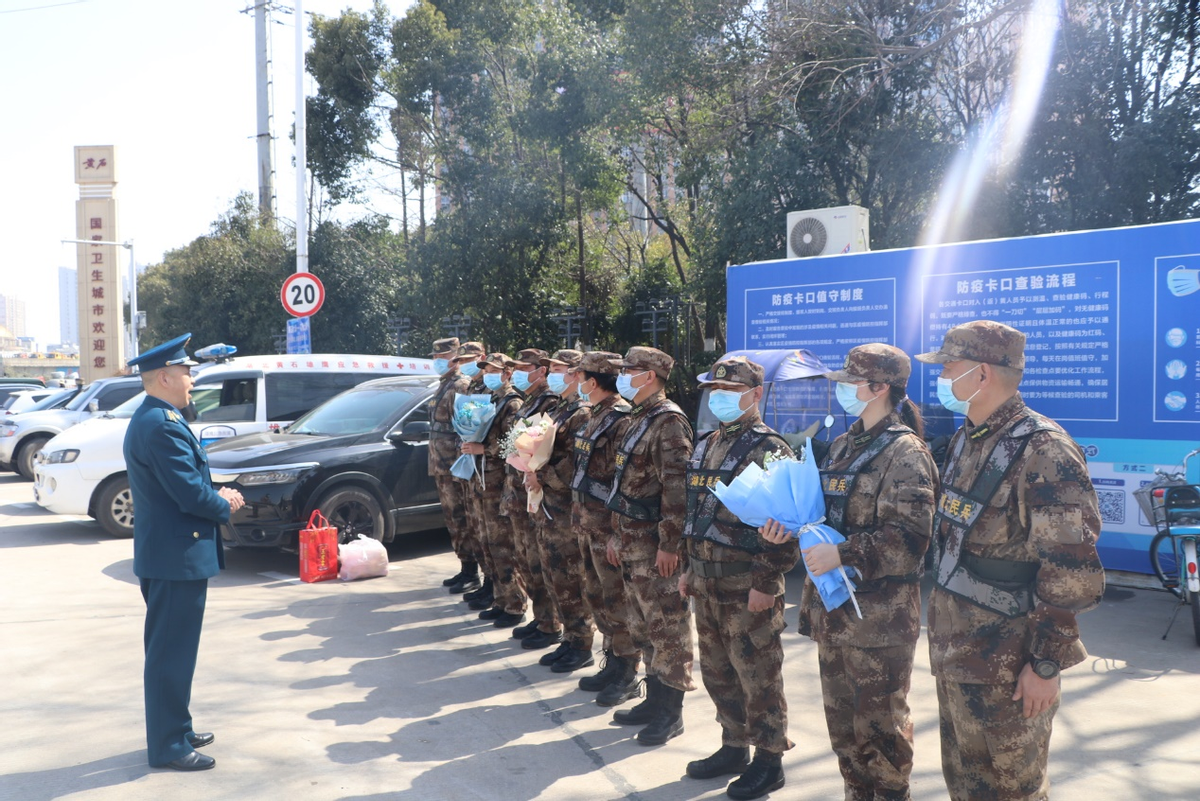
491, 613
540, 639
506, 620
193, 761
521, 632
573, 660
558, 653
200, 739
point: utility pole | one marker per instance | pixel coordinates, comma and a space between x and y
265, 106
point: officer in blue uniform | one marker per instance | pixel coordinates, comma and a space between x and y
176, 549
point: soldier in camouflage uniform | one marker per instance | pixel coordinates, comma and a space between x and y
879, 480
649, 503
529, 377
558, 544
443, 450
595, 450
469, 355
1015, 537
509, 599
735, 578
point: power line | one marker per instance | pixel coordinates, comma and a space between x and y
41, 8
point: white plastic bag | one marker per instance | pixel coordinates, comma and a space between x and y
362, 558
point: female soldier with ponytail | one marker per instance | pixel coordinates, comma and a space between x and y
879, 482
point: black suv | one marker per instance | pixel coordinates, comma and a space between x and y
361, 458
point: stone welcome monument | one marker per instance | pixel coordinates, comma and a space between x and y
101, 306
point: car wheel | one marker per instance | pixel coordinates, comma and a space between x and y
24, 459
114, 508
354, 511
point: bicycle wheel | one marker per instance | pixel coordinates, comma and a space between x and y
1164, 558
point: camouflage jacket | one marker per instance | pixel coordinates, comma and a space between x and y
539, 400
766, 568
888, 522
556, 475
656, 469
602, 464
1046, 513
443, 439
493, 465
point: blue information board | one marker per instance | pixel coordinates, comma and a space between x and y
299, 335
1112, 320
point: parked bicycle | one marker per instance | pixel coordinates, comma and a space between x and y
1173, 507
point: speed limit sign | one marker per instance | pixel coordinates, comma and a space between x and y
302, 294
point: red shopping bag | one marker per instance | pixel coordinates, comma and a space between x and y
318, 549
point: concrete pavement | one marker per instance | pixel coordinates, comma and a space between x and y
391, 689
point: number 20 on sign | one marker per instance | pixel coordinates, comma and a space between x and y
302, 294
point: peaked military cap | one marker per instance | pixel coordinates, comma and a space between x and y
444, 346
531, 356
736, 370
984, 341
563, 356
643, 358
599, 361
876, 363
497, 359
470, 350
167, 353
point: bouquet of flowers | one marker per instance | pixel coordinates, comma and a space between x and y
528, 447
789, 490
473, 418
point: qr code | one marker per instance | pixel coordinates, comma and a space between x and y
1112, 505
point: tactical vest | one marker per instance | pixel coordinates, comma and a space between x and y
439, 428
583, 448
702, 504
1002, 586
649, 509
838, 485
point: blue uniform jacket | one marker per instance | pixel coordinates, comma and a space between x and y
176, 509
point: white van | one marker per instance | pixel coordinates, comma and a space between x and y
82, 470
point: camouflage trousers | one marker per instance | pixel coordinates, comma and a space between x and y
454, 510
603, 584
502, 550
990, 752
866, 708
529, 565
562, 569
741, 665
477, 525
660, 623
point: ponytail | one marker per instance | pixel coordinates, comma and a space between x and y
909, 413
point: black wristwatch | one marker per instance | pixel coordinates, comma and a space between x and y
1044, 668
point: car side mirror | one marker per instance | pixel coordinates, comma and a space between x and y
413, 431
93, 406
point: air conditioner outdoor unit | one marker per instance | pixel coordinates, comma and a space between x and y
820, 232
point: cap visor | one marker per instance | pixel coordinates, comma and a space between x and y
842, 375
936, 357
621, 363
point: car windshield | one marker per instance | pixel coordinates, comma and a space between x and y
130, 406
356, 412
79, 401
51, 401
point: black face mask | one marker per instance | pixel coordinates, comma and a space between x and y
189, 413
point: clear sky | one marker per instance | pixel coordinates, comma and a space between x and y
171, 83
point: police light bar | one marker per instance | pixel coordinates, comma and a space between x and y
216, 353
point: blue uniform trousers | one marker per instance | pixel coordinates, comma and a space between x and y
174, 615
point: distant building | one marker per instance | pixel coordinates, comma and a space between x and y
68, 306
12, 314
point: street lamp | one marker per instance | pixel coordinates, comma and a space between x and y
133, 309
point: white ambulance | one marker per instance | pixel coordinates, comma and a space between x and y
82, 470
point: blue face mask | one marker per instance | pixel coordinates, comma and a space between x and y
493, 381
583, 396
945, 391
847, 396
442, 366
470, 369
725, 404
521, 380
557, 383
626, 388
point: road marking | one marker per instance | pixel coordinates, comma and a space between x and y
281, 577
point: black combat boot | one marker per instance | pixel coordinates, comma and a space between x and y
728, 759
573, 660
667, 721
484, 591
558, 653
764, 775
642, 713
622, 686
468, 581
521, 632
608, 670
457, 577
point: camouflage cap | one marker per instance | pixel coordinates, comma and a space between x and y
444, 346
531, 356
563, 356
984, 341
737, 370
643, 358
470, 350
599, 361
497, 359
875, 362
